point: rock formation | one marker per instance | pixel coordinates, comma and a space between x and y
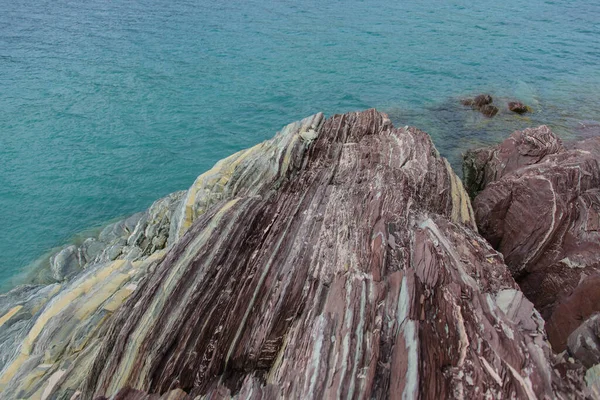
517, 107
482, 103
339, 259
538, 203
584, 342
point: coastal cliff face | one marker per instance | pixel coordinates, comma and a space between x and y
339, 259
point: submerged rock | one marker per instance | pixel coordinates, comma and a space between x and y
339, 259
588, 129
517, 107
489, 110
482, 100
539, 205
482, 103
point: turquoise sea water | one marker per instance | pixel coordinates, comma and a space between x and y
107, 105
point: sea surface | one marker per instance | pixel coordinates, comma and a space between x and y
107, 105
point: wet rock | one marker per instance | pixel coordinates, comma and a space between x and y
517, 107
482, 100
90, 249
483, 103
588, 129
119, 229
584, 342
65, 263
489, 110
539, 205
346, 264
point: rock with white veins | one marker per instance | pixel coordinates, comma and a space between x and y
339, 259
584, 342
538, 203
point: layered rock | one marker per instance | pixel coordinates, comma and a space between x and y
539, 205
339, 259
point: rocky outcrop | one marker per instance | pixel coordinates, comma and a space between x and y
521, 149
339, 259
539, 205
517, 107
482, 103
478, 101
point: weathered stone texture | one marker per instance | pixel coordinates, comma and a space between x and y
339, 259
538, 203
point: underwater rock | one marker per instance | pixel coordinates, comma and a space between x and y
339, 259
478, 101
482, 100
588, 129
517, 107
482, 103
488, 110
539, 205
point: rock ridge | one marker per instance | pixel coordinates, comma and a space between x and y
338, 259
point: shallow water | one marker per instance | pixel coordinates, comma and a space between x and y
107, 105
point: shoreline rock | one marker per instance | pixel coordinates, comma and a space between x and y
537, 201
517, 107
338, 259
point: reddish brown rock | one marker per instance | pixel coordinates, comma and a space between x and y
489, 110
569, 314
482, 100
482, 103
478, 101
521, 149
341, 261
360, 277
517, 107
539, 205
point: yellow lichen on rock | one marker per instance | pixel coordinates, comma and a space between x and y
213, 180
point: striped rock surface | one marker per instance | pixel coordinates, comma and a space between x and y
540, 207
339, 259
